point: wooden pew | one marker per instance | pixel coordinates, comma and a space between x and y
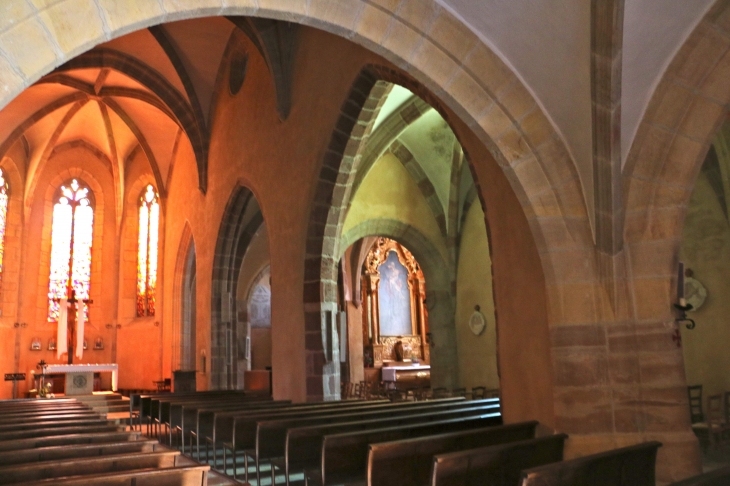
173, 476
68, 451
408, 462
343, 458
46, 432
499, 465
22, 412
166, 407
140, 404
242, 432
90, 465
160, 407
49, 424
185, 417
628, 466
226, 426
50, 416
293, 444
76, 438
718, 477
27, 403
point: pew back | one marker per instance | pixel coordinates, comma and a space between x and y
408, 462
344, 456
498, 465
627, 466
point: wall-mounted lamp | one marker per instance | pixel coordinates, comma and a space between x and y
682, 306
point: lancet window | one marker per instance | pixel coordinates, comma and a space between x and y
3, 217
149, 223
71, 237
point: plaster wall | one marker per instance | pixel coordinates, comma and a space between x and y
706, 250
389, 192
477, 354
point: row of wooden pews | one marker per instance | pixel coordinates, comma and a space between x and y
442, 442
64, 442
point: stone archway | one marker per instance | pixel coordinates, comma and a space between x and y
470, 78
674, 136
241, 219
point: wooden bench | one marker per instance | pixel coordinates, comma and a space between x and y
302, 440
343, 458
163, 407
408, 462
90, 465
49, 424
174, 476
140, 404
50, 416
718, 477
186, 417
499, 465
170, 411
20, 412
244, 427
78, 438
628, 466
68, 451
27, 403
227, 426
46, 432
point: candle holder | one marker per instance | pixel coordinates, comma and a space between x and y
683, 309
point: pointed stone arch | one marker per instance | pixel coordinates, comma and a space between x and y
241, 219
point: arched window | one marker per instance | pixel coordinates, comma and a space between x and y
3, 217
71, 237
149, 223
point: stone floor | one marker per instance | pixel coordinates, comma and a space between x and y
715, 458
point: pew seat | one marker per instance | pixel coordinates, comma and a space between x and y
172, 476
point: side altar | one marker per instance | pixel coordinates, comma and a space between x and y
80, 377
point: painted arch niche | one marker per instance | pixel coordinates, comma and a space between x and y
414, 189
240, 353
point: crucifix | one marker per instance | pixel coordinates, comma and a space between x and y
72, 310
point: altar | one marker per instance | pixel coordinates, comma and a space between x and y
80, 377
403, 377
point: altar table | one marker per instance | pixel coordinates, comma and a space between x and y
80, 377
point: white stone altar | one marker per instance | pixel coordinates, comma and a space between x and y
395, 373
80, 377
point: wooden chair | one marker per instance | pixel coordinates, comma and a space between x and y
478, 392
440, 393
458, 392
726, 404
695, 403
717, 426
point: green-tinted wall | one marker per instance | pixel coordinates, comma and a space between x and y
706, 250
477, 354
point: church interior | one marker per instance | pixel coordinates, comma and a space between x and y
327, 201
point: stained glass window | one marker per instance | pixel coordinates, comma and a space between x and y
71, 238
3, 216
149, 223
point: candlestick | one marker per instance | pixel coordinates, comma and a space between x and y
680, 282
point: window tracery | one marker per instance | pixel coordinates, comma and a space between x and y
147, 246
71, 238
